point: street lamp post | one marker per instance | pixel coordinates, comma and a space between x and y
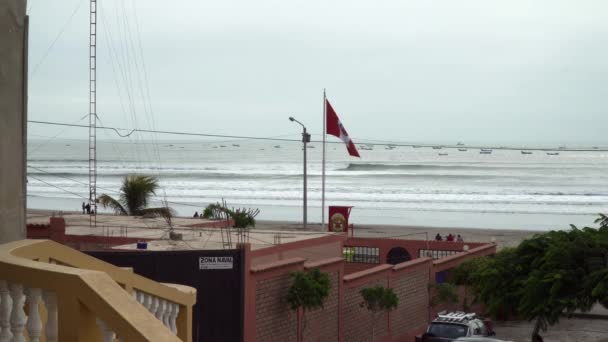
305, 140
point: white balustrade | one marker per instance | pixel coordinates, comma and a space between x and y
5, 312
34, 323
18, 317
164, 310
107, 334
50, 301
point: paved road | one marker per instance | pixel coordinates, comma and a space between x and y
568, 330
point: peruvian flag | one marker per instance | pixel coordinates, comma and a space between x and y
335, 128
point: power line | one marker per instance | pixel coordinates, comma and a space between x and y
117, 129
55, 186
48, 50
515, 148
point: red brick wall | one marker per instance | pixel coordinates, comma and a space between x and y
413, 310
322, 325
275, 321
357, 320
311, 253
353, 267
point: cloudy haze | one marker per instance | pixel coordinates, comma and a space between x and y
522, 72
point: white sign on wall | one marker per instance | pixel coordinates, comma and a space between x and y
215, 263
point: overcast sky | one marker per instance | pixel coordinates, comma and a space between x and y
510, 71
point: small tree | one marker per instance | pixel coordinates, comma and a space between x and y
444, 293
464, 275
308, 291
376, 300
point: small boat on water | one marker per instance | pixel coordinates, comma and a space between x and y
526, 152
462, 149
277, 146
416, 146
443, 154
553, 153
436, 147
236, 145
485, 152
222, 146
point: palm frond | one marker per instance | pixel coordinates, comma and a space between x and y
136, 191
108, 201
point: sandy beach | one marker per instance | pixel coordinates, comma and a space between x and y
503, 238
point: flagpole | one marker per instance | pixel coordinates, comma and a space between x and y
323, 167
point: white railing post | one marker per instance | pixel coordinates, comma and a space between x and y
5, 312
50, 301
160, 310
17, 315
106, 333
154, 305
34, 323
147, 302
173, 317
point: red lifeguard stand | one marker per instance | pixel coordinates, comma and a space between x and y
338, 219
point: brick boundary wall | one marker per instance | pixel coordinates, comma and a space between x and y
357, 319
321, 248
324, 324
410, 281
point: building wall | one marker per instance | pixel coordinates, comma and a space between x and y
324, 324
357, 319
13, 118
55, 230
413, 247
275, 321
312, 250
412, 314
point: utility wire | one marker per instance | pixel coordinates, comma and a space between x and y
117, 129
58, 187
48, 50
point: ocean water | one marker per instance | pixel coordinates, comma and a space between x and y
401, 186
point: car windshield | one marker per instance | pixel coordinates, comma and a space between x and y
448, 330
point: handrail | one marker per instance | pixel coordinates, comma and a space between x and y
44, 250
82, 293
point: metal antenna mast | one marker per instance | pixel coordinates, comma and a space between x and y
93, 112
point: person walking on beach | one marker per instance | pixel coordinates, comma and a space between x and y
195, 214
88, 208
83, 208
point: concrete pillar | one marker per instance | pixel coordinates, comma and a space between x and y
13, 118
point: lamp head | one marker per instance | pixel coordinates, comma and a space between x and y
291, 118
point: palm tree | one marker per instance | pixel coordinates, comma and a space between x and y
134, 195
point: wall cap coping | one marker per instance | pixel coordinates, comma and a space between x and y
368, 272
277, 264
464, 254
408, 264
323, 262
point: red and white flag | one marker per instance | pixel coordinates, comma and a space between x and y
335, 128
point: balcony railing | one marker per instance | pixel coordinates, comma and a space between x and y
52, 290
